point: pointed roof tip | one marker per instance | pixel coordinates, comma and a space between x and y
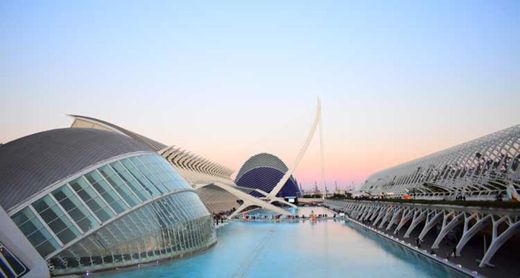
76, 116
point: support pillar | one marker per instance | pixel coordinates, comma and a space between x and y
447, 227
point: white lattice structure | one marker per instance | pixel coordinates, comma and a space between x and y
194, 167
480, 169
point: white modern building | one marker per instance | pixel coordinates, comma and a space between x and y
481, 169
89, 199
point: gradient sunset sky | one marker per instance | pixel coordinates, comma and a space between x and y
229, 79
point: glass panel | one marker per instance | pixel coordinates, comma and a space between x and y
75, 208
92, 199
106, 191
173, 177
55, 219
34, 230
138, 188
157, 172
132, 168
119, 185
144, 168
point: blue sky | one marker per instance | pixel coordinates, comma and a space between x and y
228, 79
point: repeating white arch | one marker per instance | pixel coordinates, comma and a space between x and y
504, 223
186, 161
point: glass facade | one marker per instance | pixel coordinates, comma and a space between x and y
130, 211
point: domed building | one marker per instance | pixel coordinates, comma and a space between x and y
90, 199
263, 171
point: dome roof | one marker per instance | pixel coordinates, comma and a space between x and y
30, 164
263, 171
262, 160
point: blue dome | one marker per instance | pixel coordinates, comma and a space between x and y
263, 171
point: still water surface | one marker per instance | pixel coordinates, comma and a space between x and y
295, 249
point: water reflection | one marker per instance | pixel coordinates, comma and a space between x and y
325, 249
404, 253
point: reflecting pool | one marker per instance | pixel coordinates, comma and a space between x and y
327, 248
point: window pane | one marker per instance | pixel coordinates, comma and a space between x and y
138, 188
75, 208
55, 219
35, 232
106, 191
92, 199
136, 173
149, 174
119, 185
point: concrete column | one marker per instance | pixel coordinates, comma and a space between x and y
431, 220
418, 217
407, 215
447, 227
388, 213
499, 240
376, 213
379, 216
468, 232
394, 218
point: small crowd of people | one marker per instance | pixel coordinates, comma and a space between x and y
289, 217
262, 217
460, 198
221, 216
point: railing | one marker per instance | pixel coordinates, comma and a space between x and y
493, 207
